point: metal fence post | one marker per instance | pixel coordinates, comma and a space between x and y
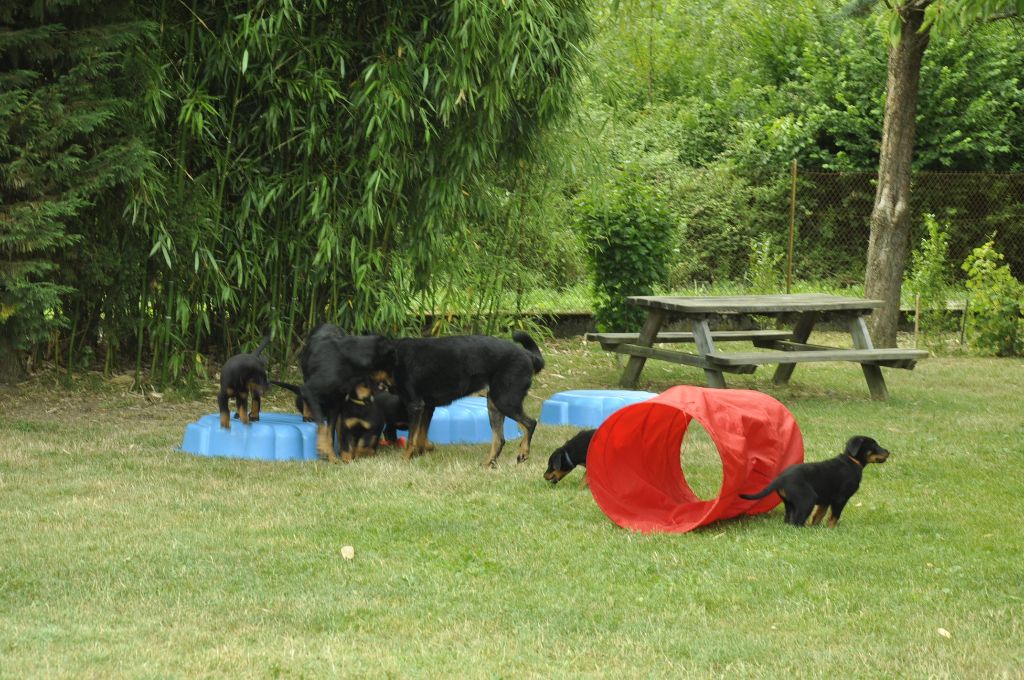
792, 229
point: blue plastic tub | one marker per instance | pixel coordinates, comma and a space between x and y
284, 436
465, 421
277, 436
588, 408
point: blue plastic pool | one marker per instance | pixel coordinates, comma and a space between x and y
284, 436
588, 408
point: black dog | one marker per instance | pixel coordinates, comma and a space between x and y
825, 484
333, 363
240, 376
368, 414
359, 424
393, 412
432, 372
567, 456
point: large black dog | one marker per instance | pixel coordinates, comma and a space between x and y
241, 376
333, 363
432, 372
825, 484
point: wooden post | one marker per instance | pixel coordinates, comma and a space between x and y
792, 229
917, 317
650, 329
706, 345
801, 333
963, 321
873, 374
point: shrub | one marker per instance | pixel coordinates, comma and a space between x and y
765, 276
993, 315
929, 279
629, 236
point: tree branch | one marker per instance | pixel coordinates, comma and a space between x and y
1012, 14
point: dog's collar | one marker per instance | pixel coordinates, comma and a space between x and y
360, 402
567, 461
859, 464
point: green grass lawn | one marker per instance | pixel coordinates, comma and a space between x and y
120, 556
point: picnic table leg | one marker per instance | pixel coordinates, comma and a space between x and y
705, 345
655, 317
801, 332
873, 374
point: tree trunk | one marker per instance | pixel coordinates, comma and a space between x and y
890, 218
12, 366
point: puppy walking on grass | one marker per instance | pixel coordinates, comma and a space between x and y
569, 456
823, 485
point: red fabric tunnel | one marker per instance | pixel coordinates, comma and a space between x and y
633, 464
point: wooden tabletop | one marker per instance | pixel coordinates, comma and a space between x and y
756, 304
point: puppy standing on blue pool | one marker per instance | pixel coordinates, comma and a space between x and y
243, 376
826, 484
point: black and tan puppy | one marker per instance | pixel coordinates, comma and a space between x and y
826, 484
242, 376
432, 372
359, 423
568, 456
333, 363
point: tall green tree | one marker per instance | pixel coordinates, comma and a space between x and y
909, 24
63, 146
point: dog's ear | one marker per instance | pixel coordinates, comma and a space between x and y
385, 356
555, 459
858, 447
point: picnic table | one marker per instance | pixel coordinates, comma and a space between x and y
795, 317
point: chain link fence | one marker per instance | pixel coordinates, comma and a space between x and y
832, 218
736, 237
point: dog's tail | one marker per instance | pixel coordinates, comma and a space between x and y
297, 389
300, 401
524, 339
760, 494
263, 346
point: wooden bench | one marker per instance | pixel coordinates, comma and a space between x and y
786, 348
757, 336
888, 357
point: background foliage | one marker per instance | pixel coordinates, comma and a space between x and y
296, 162
180, 177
